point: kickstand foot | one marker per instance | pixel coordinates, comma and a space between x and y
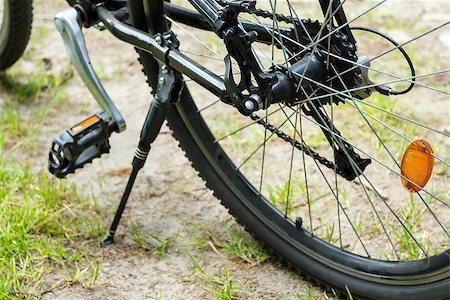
107, 240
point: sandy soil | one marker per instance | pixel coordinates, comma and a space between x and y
167, 199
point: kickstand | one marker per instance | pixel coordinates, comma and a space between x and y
168, 89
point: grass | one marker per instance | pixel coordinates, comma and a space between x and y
327, 231
30, 98
45, 227
159, 295
278, 195
236, 243
222, 286
28, 87
150, 242
305, 295
412, 218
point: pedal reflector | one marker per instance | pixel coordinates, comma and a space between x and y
417, 165
84, 124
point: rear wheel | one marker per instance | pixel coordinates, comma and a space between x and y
366, 235
15, 30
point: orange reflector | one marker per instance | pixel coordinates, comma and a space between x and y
417, 165
84, 124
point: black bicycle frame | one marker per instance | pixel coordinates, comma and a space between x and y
170, 57
209, 10
207, 18
196, 20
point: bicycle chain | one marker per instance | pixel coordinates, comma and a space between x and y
300, 146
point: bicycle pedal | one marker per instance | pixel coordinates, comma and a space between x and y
80, 144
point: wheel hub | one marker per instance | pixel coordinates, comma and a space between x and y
334, 53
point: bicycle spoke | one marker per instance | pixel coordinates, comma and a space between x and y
433, 214
356, 212
358, 171
338, 28
396, 47
409, 79
378, 161
245, 126
209, 105
305, 175
396, 131
263, 143
290, 168
334, 194
367, 103
203, 55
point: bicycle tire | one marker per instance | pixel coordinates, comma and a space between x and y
15, 31
327, 265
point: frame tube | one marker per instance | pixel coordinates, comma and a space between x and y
172, 58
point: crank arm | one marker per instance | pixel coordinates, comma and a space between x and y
67, 23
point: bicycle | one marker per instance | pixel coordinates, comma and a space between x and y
15, 29
307, 78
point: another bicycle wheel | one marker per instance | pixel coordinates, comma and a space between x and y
15, 30
354, 227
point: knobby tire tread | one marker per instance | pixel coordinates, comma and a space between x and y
20, 23
325, 277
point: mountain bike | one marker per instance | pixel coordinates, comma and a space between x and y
15, 29
330, 160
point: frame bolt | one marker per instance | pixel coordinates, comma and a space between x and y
158, 40
164, 69
298, 222
161, 80
249, 105
256, 99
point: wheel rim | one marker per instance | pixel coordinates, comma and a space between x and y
393, 237
431, 269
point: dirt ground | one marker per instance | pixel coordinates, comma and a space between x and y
169, 199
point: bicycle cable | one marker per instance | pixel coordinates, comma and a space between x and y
401, 49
